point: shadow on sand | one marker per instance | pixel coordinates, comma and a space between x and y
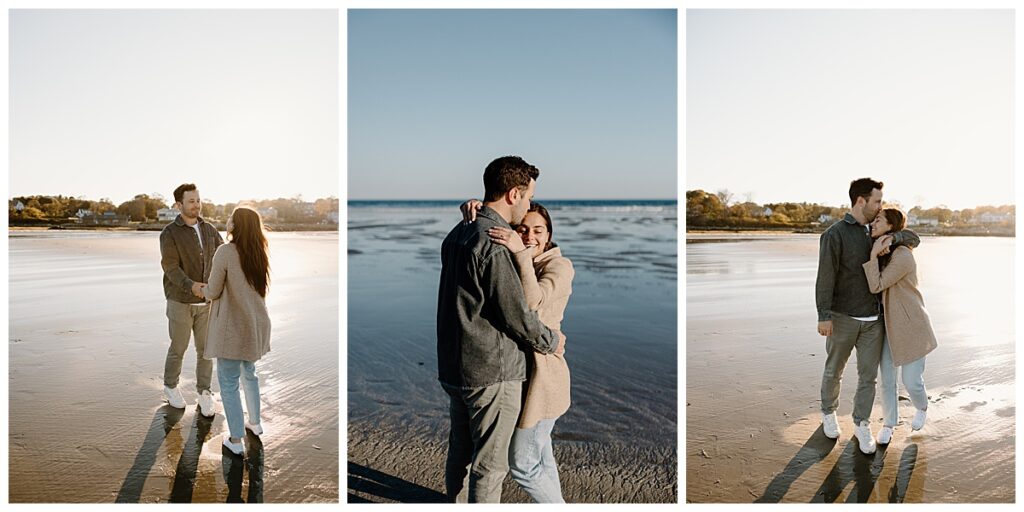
234, 467
164, 421
812, 452
362, 479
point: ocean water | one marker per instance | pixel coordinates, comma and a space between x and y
620, 323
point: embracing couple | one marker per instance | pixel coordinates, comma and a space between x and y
216, 293
503, 290
867, 299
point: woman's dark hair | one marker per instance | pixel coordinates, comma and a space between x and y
897, 222
247, 235
543, 212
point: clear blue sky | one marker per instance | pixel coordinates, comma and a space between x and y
113, 103
791, 105
588, 96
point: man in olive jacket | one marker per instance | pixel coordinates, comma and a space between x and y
186, 256
484, 328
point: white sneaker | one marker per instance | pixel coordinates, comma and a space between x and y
256, 429
830, 425
207, 407
865, 438
885, 435
919, 418
174, 398
236, 448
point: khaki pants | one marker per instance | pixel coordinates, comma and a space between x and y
482, 423
847, 334
184, 320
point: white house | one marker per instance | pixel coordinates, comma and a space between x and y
19, 206
268, 213
823, 218
166, 214
992, 218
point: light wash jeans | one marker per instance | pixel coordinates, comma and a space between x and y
229, 372
532, 463
913, 380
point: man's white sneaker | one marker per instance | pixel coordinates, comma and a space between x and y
174, 398
236, 448
830, 425
207, 407
865, 438
256, 429
885, 435
919, 418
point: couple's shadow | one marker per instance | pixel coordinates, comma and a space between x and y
851, 467
162, 430
363, 480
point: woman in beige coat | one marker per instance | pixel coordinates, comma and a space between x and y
239, 331
909, 336
547, 283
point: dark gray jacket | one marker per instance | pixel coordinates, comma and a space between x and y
483, 323
184, 261
841, 285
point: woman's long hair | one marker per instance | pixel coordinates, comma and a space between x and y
897, 222
247, 235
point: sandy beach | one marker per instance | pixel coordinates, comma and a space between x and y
87, 342
617, 443
754, 364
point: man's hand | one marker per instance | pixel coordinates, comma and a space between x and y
197, 289
469, 209
825, 328
560, 349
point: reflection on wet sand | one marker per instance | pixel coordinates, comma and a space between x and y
234, 466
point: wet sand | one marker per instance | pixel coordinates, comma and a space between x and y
754, 364
617, 442
87, 342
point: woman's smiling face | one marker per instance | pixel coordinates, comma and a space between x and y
534, 231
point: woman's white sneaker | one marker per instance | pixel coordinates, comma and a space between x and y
256, 429
830, 425
236, 448
885, 435
865, 438
919, 418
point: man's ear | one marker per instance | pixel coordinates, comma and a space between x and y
176, 205
513, 195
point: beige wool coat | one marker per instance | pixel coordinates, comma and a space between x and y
239, 323
547, 284
907, 323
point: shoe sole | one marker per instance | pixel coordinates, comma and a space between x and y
203, 414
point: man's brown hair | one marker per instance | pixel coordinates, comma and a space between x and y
506, 172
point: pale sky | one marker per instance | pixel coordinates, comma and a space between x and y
588, 96
113, 103
792, 105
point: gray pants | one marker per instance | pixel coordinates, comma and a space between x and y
482, 423
184, 320
847, 334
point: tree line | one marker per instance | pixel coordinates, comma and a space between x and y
143, 208
704, 209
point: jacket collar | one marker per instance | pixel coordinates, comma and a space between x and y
850, 219
548, 255
181, 222
487, 211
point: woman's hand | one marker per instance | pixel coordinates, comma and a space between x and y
469, 209
506, 237
881, 247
